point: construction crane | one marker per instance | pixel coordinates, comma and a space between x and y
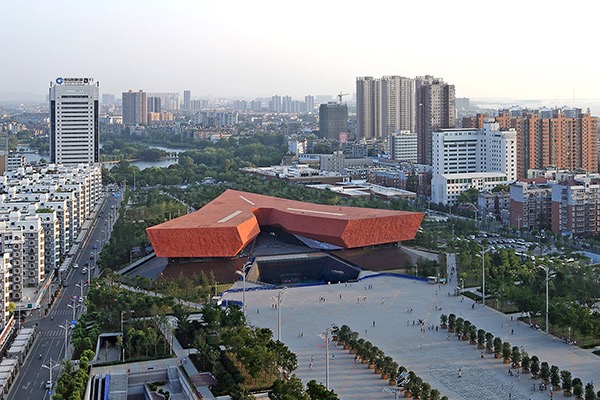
342, 95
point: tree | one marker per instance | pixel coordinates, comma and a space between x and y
589, 392
525, 362
545, 371
489, 341
288, 390
506, 350
554, 376
578, 391
316, 391
515, 357
567, 382
497, 346
535, 366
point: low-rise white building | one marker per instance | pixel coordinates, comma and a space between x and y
446, 188
402, 146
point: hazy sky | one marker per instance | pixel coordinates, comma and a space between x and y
511, 49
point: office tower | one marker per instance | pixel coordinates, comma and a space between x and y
309, 103
403, 146
135, 108
108, 98
333, 119
74, 121
435, 110
384, 106
487, 149
187, 100
472, 159
154, 104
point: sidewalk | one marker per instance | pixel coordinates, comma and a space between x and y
429, 353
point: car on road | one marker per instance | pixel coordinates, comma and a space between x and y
48, 384
75, 266
84, 271
91, 256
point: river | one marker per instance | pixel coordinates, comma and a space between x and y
35, 157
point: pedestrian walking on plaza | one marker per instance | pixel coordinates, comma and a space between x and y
459, 373
373, 323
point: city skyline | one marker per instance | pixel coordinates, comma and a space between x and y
237, 49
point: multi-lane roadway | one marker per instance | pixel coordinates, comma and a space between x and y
48, 351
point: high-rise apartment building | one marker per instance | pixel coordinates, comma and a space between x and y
74, 130
187, 100
365, 107
397, 104
384, 106
168, 101
435, 110
333, 119
135, 108
154, 105
309, 103
561, 138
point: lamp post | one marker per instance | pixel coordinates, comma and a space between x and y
74, 307
50, 368
122, 313
279, 294
241, 273
66, 328
547, 269
483, 251
327, 337
81, 285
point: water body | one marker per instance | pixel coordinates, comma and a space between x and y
35, 158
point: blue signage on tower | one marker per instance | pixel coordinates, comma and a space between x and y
59, 80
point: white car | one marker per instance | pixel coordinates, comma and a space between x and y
75, 266
84, 271
48, 384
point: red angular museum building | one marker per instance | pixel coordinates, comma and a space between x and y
227, 224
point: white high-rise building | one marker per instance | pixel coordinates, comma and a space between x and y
472, 158
74, 131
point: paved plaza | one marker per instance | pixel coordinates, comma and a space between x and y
376, 307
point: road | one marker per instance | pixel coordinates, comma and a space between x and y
50, 343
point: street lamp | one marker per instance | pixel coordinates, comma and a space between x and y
74, 307
124, 312
81, 285
66, 328
278, 298
242, 273
483, 251
326, 336
547, 269
50, 368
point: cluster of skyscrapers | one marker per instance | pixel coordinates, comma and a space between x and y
395, 103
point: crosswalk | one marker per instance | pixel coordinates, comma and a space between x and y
53, 333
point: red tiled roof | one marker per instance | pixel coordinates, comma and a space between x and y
227, 224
